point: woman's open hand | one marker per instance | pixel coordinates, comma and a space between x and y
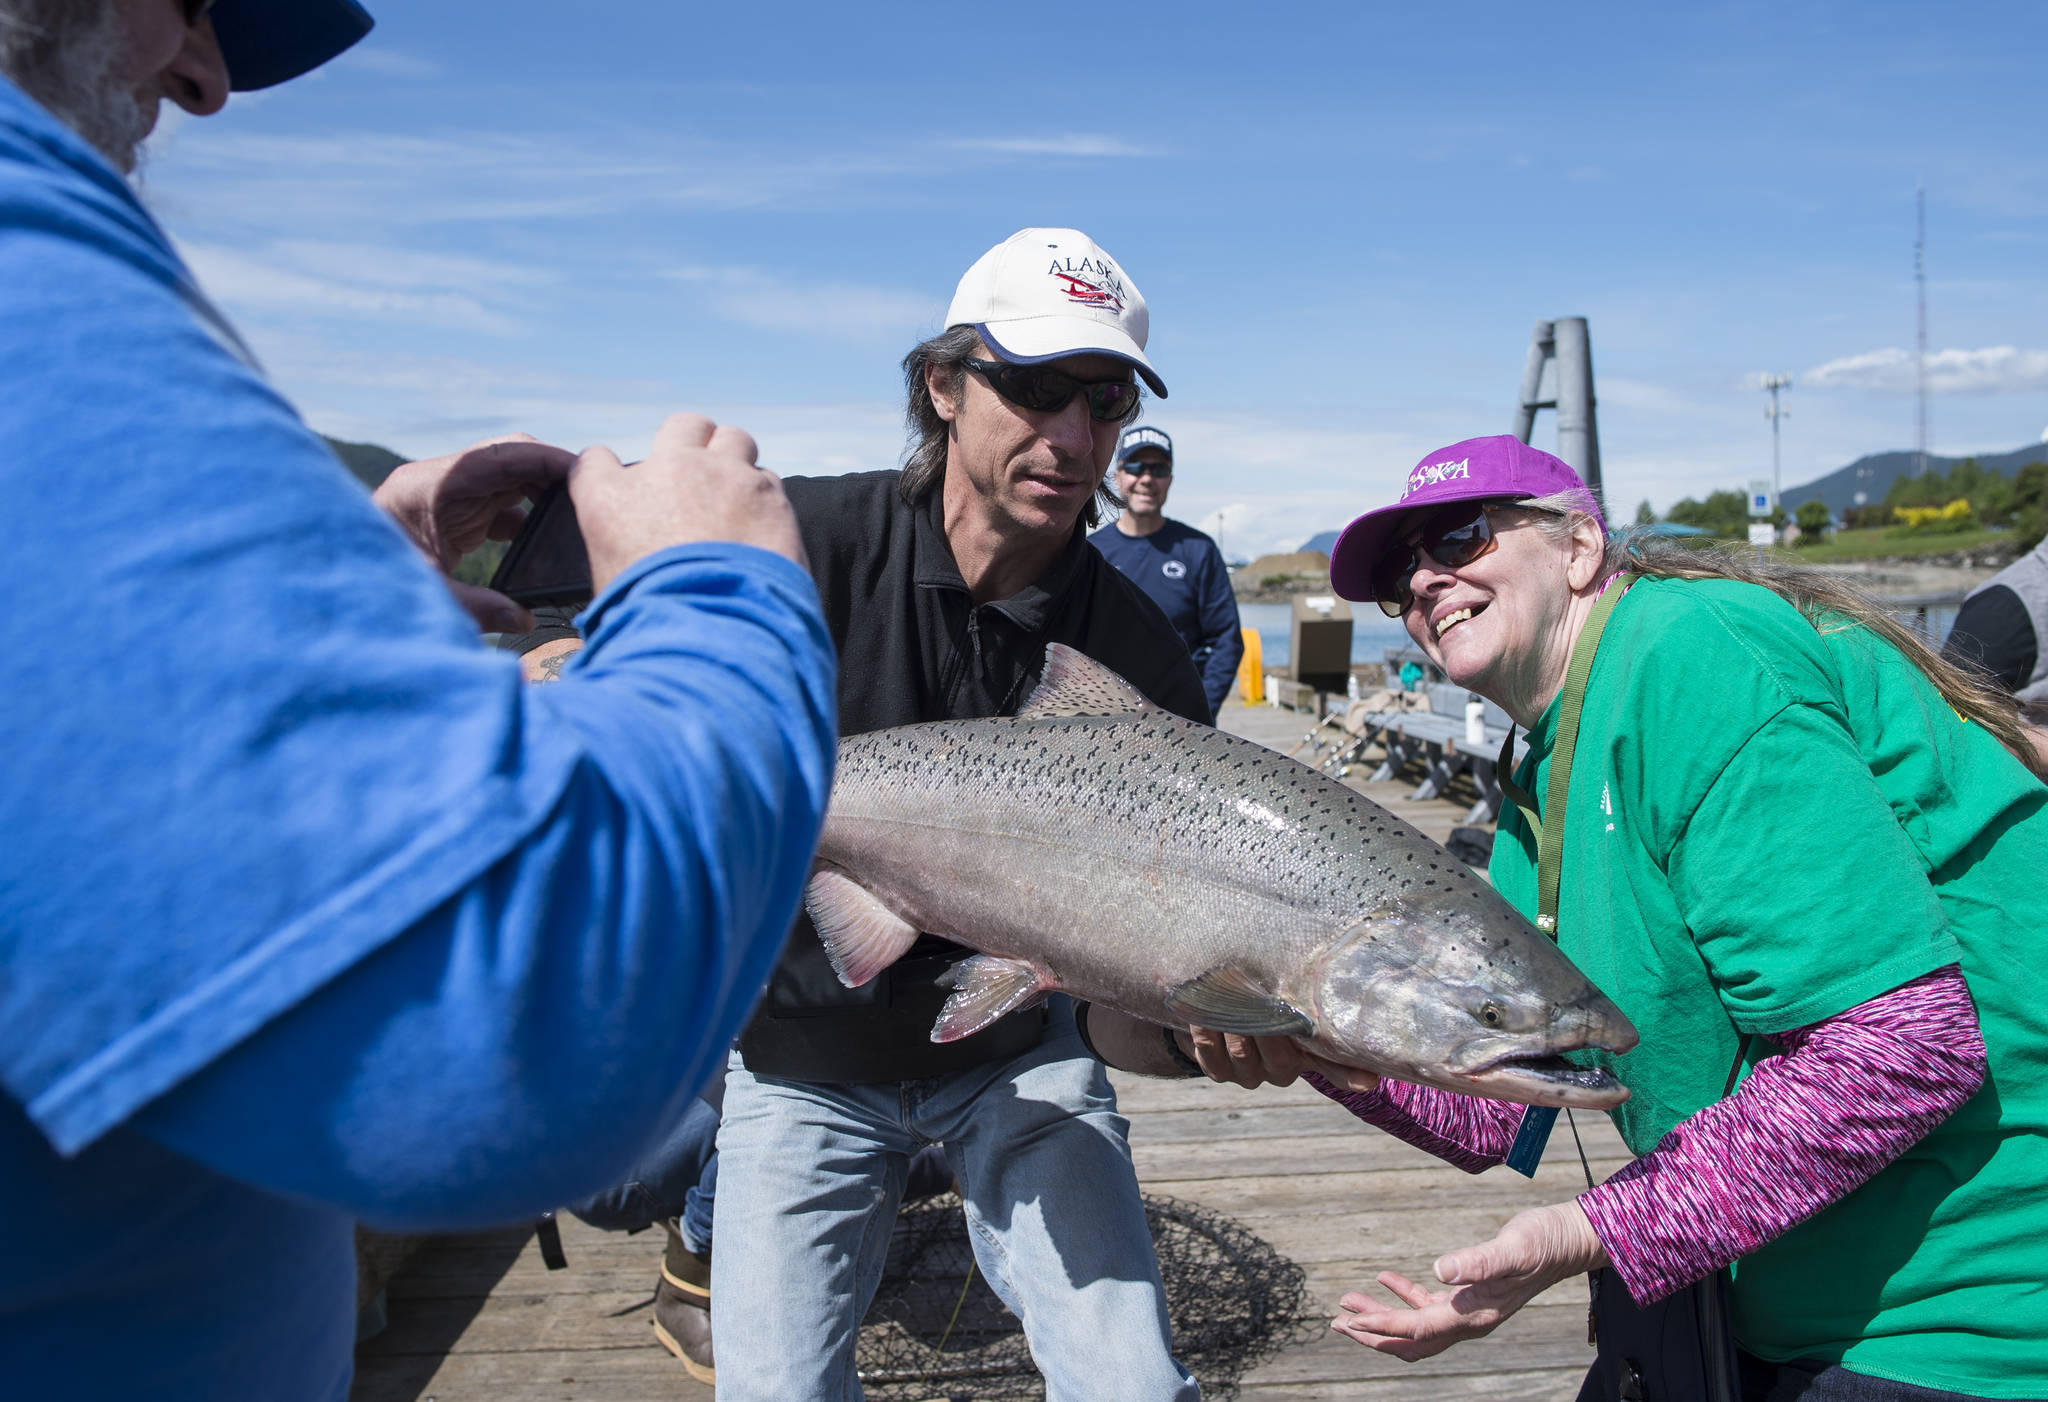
1489, 1282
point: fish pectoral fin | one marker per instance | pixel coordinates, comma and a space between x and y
1228, 1000
860, 934
985, 988
1075, 684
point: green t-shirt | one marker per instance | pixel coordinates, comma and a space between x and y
1767, 824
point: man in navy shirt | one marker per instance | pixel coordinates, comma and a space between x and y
1178, 567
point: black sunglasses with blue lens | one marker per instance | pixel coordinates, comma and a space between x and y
1044, 390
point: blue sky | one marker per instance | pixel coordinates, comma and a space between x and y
1345, 218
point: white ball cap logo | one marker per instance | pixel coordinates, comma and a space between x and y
1042, 294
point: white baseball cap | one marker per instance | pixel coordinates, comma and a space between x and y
1042, 294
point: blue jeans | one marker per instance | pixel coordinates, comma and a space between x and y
678, 1178
813, 1175
1811, 1381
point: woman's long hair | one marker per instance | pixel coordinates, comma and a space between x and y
1827, 601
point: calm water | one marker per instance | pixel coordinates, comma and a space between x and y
1372, 632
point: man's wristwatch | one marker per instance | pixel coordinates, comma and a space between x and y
1180, 1058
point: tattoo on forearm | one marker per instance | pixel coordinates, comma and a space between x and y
551, 667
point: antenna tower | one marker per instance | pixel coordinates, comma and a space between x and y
1920, 358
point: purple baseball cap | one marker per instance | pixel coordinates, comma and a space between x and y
1502, 466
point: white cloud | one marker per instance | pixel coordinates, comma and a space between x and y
346, 281
389, 63
1992, 370
1277, 483
346, 179
1071, 144
420, 405
1642, 396
844, 311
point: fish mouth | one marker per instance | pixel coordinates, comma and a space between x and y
1545, 1078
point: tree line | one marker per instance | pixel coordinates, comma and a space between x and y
1966, 497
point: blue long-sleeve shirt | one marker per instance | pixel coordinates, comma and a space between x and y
310, 909
1181, 570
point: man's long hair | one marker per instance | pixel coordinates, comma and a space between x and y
1827, 601
924, 459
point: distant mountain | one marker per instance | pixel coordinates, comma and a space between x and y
370, 463
1874, 474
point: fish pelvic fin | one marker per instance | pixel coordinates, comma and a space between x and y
860, 934
1228, 1000
985, 988
1075, 684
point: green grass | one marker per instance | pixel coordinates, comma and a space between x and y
1889, 540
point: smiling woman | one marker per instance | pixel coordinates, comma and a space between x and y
1720, 763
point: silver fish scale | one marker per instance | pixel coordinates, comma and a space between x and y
1197, 816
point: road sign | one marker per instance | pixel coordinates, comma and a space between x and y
1761, 534
1760, 502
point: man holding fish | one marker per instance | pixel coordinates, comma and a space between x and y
943, 585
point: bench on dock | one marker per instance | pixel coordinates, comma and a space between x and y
1427, 726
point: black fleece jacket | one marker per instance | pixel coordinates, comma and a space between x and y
913, 646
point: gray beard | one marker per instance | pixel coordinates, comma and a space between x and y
64, 54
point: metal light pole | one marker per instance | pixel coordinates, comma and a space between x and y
1920, 356
1771, 385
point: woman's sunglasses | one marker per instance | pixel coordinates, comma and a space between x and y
1455, 536
1044, 390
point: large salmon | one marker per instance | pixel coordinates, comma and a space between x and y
1097, 845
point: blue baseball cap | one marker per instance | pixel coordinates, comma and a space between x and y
1144, 436
267, 42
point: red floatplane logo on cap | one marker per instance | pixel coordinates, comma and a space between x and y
1092, 282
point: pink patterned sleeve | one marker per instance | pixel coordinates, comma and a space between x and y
1462, 1130
1848, 1096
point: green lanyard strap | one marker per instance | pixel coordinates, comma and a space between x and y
1550, 835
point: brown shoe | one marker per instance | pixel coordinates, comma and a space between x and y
682, 1307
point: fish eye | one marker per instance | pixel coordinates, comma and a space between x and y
1491, 1014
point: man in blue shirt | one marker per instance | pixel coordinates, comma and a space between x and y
1178, 567
318, 912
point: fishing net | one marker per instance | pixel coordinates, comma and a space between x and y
937, 1333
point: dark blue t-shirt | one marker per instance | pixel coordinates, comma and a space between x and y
1182, 571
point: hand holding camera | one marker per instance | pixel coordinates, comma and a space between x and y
697, 483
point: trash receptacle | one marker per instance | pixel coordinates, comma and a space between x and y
1319, 642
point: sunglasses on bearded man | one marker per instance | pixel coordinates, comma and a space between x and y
1044, 390
1454, 536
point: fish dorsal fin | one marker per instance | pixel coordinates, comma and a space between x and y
1228, 1000
1075, 684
